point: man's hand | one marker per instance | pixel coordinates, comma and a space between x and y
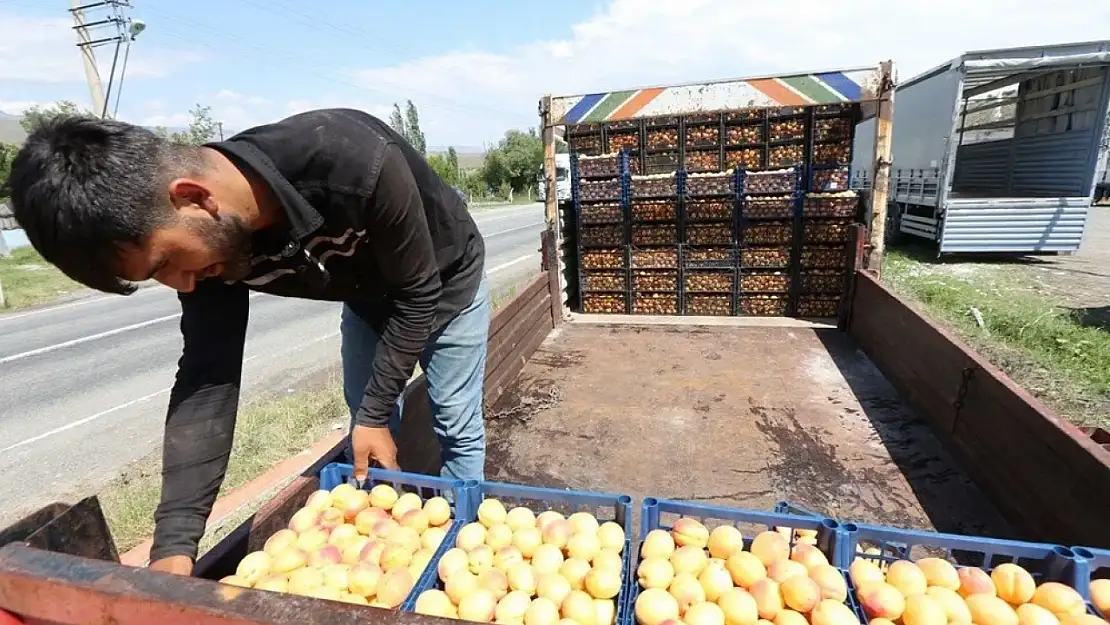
369, 443
177, 565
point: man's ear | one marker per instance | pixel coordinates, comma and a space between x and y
191, 193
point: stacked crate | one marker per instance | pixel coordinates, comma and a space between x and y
599, 195
662, 145
626, 136
828, 211
653, 211
768, 228
709, 263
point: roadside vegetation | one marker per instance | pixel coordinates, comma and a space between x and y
1059, 354
27, 280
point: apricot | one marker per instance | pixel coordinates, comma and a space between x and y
438, 511
556, 532
770, 547
522, 577
273, 583
654, 606
864, 572
575, 570
519, 518
470, 536
318, 500
604, 583
288, 560
581, 545
708, 613
689, 559
739, 607
546, 517
547, 559
1100, 595
460, 584
384, 529
235, 580
808, 556
881, 600
554, 587
1081, 619
885, 621
990, 610
1059, 599
686, 590
337, 576
951, 602
372, 552
366, 520
768, 598
432, 538
280, 541
478, 606
494, 581
800, 593
406, 503
541, 612
831, 582
605, 612
512, 607
907, 578
724, 541
829, 612
714, 580
352, 598
1033, 614
690, 532
363, 579
254, 566
973, 581
304, 581
655, 572
783, 570
478, 559
657, 543
454, 559
745, 569
395, 556
324, 592
790, 617
611, 537
583, 523
507, 557
435, 603
383, 496
1013, 584
604, 559
328, 554
304, 520
921, 609
352, 503
939, 572
343, 534
579, 607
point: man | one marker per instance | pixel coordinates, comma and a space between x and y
330, 204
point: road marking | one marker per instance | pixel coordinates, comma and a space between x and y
93, 337
493, 234
503, 266
81, 302
144, 398
515, 213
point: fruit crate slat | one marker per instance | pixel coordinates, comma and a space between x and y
662, 514
654, 303
1097, 567
605, 303
604, 506
824, 179
457, 493
709, 281
844, 205
818, 305
818, 256
604, 280
761, 305
654, 210
709, 304
710, 257
708, 209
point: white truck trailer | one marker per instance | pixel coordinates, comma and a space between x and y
997, 151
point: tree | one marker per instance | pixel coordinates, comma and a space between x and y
200, 131
7, 155
513, 164
442, 166
453, 158
37, 115
397, 121
413, 133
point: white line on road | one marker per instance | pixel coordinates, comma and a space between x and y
504, 266
144, 398
93, 337
81, 302
493, 234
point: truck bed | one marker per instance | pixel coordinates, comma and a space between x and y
735, 415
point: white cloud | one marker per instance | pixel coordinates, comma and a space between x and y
44, 51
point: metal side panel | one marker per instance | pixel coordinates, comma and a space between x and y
1020, 225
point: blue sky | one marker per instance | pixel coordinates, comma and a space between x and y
477, 68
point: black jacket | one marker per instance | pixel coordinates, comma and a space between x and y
367, 222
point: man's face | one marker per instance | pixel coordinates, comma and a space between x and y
196, 245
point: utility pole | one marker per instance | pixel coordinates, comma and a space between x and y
104, 23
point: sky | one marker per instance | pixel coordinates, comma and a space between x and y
477, 68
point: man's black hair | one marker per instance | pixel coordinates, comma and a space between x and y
83, 187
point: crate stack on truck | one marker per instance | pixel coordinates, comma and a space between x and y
732, 212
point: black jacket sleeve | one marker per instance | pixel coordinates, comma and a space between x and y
403, 249
200, 424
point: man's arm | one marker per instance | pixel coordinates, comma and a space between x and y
201, 420
405, 254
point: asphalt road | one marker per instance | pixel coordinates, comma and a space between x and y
84, 385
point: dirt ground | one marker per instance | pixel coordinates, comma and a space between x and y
729, 416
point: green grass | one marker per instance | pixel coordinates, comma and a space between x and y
28, 280
1045, 347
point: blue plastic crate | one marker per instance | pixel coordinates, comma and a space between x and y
1046, 562
785, 507
662, 513
426, 486
604, 506
1095, 565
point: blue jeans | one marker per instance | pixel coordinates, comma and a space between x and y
454, 361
